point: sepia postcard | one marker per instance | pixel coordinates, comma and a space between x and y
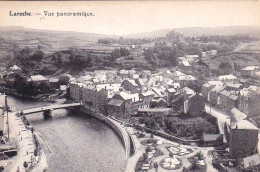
129, 86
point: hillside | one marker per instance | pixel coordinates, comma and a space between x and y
48, 41
198, 31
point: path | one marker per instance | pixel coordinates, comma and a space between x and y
25, 144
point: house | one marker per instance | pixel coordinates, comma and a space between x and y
15, 68
115, 107
111, 89
37, 79
76, 91
159, 92
54, 83
140, 83
63, 87
243, 139
227, 78
213, 52
147, 98
181, 59
214, 94
131, 103
194, 105
223, 98
192, 58
85, 79
131, 86
100, 78
159, 103
186, 92
250, 161
95, 98
185, 66
203, 54
186, 80
249, 70
233, 86
171, 92
249, 101
205, 88
232, 102
212, 139
124, 74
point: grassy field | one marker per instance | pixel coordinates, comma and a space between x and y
253, 46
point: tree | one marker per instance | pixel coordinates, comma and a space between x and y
44, 87
225, 68
25, 164
194, 166
145, 156
200, 155
148, 149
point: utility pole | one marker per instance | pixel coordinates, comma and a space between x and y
6, 109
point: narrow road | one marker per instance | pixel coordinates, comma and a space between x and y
240, 47
25, 143
222, 117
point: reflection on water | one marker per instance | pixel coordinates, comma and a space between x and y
78, 142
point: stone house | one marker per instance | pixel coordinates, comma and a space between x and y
214, 94
249, 70
194, 105
147, 98
76, 91
249, 102
131, 86
223, 99
243, 135
205, 90
185, 66
232, 102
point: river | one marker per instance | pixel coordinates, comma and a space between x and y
78, 142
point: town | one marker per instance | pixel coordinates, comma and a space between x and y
184, 117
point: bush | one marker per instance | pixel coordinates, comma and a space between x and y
25, 164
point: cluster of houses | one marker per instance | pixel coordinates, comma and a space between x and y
251, 71
125, 92
129, 92
228, 93
9, 78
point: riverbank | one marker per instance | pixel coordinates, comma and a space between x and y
26, 147
50, 97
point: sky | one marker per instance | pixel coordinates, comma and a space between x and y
128, 17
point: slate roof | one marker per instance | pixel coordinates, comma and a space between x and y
115, 102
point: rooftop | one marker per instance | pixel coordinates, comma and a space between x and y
249, 68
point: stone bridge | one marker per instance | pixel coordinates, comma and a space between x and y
47, 110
